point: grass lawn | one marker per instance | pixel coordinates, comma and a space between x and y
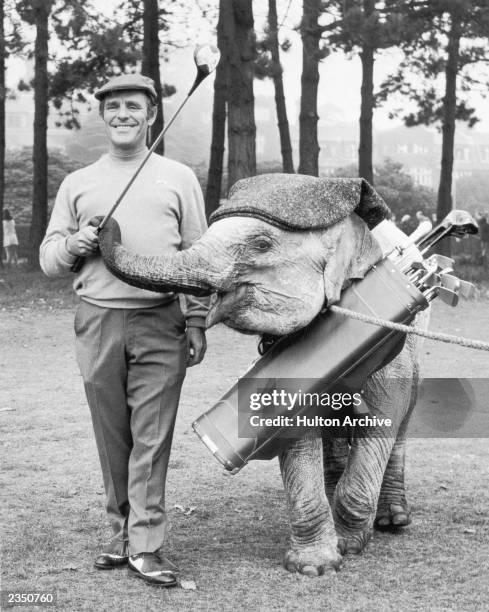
228, 533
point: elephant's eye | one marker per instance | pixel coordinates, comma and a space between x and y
261, 244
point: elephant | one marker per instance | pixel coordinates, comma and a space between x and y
277, 253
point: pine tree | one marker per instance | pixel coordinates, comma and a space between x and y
216, 162
268, 65
452, 38
366, 27
239, 39
308, 118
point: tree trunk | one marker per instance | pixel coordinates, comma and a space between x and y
151, 64
2, 122
448, 128
308, 118
240, 41
283, 122
365, 166
214, 176
42, 9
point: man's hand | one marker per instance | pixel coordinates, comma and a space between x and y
197, 345
83, 242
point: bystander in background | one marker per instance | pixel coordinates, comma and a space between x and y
10, 240
407, 224
484, 237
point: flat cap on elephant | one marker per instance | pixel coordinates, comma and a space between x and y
280, 249
301, 202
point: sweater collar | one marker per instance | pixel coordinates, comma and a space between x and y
129, 159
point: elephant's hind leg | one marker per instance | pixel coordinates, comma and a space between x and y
313, 542
393, 510
336, 449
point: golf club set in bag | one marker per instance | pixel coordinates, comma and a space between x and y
336, 352
434, 276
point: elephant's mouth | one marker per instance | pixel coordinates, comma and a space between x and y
226, 307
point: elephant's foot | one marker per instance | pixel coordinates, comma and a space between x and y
353, 542
312, 561
392, 515
353, 523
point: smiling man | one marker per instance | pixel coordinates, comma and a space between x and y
132, 345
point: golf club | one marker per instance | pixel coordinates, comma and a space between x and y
206, 58
446, 295
441, 261
463, 288
457, 223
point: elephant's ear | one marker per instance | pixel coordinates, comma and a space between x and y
354, 253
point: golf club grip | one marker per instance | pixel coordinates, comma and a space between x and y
77, 265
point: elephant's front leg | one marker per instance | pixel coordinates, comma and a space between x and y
357, 492
387, 395
313, 542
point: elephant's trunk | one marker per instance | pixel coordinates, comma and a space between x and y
188, 271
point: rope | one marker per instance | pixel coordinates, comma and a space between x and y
475, 344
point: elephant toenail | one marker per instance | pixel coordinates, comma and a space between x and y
400, 519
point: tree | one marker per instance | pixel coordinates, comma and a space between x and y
365, 27
240, 45
152, 18
268, 65
151, 62
37, 13
453, 38
308, 118
3, 54
216, 162
18, 180
72, 23
11, 41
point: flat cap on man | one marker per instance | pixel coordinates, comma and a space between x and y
128, 82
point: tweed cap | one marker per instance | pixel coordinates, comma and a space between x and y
302, 202
128, 82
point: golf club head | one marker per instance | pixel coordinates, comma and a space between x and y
462, 222
206, 58
433, 280
440, 261
457, 223
450, 282
463, 288
448, 296
467, 290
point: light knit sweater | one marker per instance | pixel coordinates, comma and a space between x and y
162, 212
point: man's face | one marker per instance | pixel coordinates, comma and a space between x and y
127, 116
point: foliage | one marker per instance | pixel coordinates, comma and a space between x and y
426, 57
397, 188
355, 24
473, 192
18, 179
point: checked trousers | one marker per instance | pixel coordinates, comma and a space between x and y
133, 363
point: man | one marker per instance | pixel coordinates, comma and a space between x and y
132, 345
